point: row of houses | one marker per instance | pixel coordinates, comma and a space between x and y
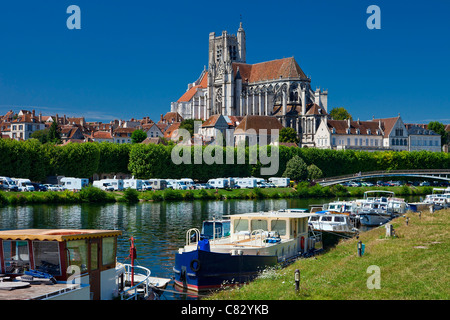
376, 134
21, 126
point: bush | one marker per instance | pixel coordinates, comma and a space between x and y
93, 194
130, 195
3, 199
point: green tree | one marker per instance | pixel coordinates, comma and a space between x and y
54, 134
439, 128
138, 136
314, 172
296, 169
288, 135
41, 135
188, 125
340, 113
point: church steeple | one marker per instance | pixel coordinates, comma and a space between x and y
241, 43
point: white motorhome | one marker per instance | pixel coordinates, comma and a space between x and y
74, 183
105, 186
280, 182
246, 182
8, 184
188, 182
23, 184
117, 184
176, 184
157, 184
219, 183
133, 184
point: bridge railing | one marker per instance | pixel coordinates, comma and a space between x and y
361, 175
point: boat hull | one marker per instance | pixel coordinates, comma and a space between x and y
201, 270
374, 219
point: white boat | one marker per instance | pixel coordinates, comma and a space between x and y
336, 223
440, 198
375, 211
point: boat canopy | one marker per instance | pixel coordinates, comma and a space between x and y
59, 235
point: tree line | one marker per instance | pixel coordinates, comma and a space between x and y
35, 161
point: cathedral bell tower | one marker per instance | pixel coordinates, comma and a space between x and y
223, 51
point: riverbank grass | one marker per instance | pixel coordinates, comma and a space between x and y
413, 265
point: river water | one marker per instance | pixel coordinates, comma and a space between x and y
158, 228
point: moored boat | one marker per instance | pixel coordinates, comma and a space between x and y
375, 211
77, 264
335, 223
256, 241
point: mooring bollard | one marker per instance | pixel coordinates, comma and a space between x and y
407, 220
431, 209
297, 280
359, 248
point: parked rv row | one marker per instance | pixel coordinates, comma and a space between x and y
25, 185
76, 184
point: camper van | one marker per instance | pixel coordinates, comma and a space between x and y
280, 182
188, 182
24, 184
117, 184
8, 184
74, 183
157, 184
219, 183
105, 186
246, 182
133, 184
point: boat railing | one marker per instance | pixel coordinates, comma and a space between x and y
133, 293
192, 236
262, 234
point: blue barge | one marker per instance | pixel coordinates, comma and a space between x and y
241, 248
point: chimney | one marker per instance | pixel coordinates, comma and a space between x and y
348, 121
33, 112
40, 116
161, 118
56, 119
65, 120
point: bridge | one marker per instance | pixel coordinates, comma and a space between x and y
436, 174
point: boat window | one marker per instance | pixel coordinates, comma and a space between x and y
16, 256
240, 225
259, 224
46, 257
315, 218
326, 218
339, 219
278, 226
77, 254
108, 250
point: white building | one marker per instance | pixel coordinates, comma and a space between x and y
422, 139
23, 127
346, 134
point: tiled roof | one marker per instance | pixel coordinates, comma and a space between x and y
211, 122
157, 140
203, 84
269, 70
314, 109
102, 135
387, 124
169, 131
257, 123
341, 127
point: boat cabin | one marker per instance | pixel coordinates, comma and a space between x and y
84, 256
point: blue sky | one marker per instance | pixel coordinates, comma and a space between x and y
132, 58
